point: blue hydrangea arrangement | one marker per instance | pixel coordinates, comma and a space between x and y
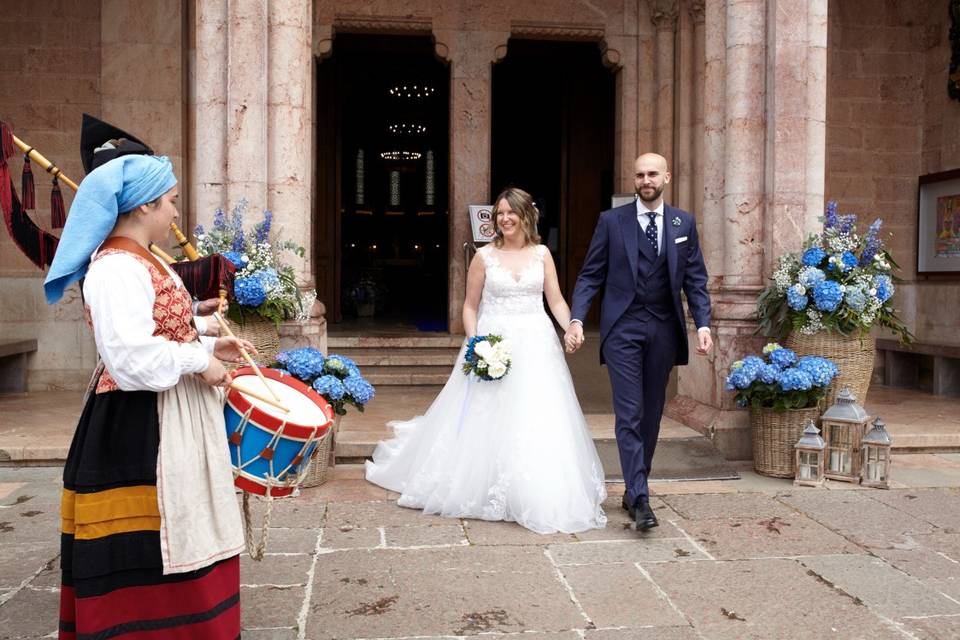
779, 380
336, 378
264, 285
842, 282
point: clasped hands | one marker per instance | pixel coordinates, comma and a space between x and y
573, 338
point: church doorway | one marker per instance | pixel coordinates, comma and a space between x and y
382, 154
553, 118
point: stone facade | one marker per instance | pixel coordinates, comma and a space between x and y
765, 108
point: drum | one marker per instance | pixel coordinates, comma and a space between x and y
270, 449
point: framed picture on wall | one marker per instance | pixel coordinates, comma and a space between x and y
938, 223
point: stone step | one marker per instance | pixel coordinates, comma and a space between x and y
422, 375
441, 340
407, 356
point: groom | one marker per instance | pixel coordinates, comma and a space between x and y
642, 255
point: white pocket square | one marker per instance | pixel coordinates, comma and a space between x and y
680, 239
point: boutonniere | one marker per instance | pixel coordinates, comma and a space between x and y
676, 221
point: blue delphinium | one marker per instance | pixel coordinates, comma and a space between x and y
795, 379
249, 291
827, 295
873, 243
813, 256
797, 297
830, 218
361, 390
820, 370
847, 223
884, 286
330, 387
261, 230
305, 363
783, 358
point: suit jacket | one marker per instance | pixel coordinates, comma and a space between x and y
611, 265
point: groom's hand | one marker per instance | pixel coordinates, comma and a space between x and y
573, 338
704, 342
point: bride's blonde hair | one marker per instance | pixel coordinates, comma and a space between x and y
521, 203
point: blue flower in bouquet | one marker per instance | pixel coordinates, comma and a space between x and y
844, 262
827, 295
856, 298
361, 390
769, 374
249, 291
813, 256
884, 286
753, 364
873, 243
830, 218
269, 278
305, 363
810, 276
261, 230
783, 358
330, 387
740, 378
797, 297
847, 223
236, 258
820, 370
795, 379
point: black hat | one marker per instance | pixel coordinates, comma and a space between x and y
96, 133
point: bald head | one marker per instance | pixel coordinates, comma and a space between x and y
650, 175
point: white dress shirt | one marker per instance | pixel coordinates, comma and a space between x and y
119, 292
644, 220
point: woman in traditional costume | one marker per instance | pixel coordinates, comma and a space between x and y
151, 529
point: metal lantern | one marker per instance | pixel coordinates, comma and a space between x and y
810, 457
876, 460
844, 425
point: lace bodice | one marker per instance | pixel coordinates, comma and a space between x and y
506, 293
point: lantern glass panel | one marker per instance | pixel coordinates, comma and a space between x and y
841, 448
808, 465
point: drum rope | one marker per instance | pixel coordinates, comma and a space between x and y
256, 549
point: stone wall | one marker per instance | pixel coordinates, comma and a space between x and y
50, 73
117, 59
889, 121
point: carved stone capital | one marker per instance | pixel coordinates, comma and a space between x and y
697, 10
611, 57
664, 14
322, 40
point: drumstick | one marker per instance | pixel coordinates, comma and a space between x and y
246, 356
254, 394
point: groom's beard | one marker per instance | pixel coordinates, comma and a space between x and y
653, 198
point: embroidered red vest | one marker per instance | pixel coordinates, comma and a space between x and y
172, 307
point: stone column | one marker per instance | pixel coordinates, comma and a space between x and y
664, 14
209, 118
698, 63
764, 98
683, 162
289, 120
471, 55
646, 87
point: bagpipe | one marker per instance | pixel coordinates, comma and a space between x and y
203, 276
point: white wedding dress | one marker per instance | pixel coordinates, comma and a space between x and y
513, 449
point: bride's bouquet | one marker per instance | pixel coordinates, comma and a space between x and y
487, 357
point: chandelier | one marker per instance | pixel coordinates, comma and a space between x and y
400, 155
407, 128
412, 91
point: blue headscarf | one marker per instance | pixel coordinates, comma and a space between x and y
116, 187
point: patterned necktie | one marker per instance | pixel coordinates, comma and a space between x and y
651, 232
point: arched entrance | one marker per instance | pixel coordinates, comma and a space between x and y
553, 135
382, 122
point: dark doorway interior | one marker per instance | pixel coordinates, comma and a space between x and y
553, 135
383, 127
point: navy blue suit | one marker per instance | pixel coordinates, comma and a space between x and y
642, 322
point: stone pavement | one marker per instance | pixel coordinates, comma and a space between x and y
753, 558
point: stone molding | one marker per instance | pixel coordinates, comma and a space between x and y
555, 31
698, 10
664, 14
406, 25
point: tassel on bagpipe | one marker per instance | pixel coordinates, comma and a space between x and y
35, 243
29, 198
58, 214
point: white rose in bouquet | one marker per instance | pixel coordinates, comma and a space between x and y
497, 370
484, 350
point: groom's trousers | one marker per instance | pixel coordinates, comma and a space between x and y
640, 352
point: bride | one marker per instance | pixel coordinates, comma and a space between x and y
517, 448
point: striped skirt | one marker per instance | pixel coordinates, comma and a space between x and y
113, 584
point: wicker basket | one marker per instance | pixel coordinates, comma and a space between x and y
322, 462
853, 356
774, 435
262, 333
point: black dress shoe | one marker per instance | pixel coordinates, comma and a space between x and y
644, 516
628, 507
